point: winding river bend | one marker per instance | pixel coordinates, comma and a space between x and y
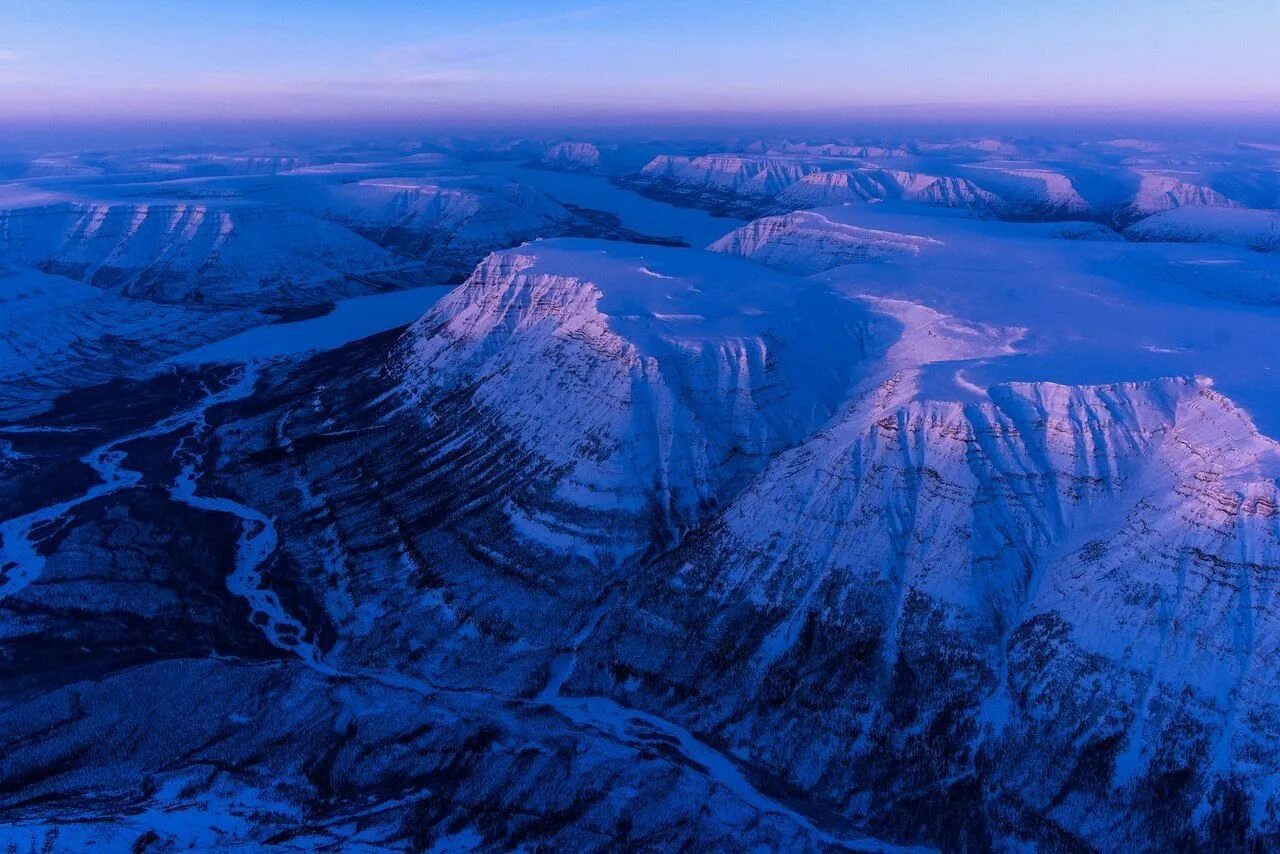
20, 559
22, 563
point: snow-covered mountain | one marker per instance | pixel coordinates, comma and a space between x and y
1158, 193
981, 561
983, 573
1007, 179
675, 375
795, 177
723, 183
448, 221
571, 157
1032, 192
808, 242
824, 189
937, 506
237, 250
210, 252
97, 289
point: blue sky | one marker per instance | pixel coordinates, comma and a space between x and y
329, 58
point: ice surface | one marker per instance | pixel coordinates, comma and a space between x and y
350, 320
636, 212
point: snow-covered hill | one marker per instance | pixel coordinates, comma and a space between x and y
1033, 192
1157, 193
94, 290
1253, 229
449, 221
571, 157
58, 333
723, 183
794, 177
808, 242
210, 252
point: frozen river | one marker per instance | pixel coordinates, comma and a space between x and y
647, 216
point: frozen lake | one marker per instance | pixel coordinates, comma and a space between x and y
350, 320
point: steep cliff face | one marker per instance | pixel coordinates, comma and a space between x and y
948, 192
673, 375
664, 166
571, 157
749, 175
824, 189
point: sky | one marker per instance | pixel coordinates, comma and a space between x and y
337, 60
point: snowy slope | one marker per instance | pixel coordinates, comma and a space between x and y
808, 242
1157, 193
1162, 192
1252, 229
452, 221
1102, 309
1030, 191
58, 333
748, 175
222, 252
982, 572
1003, 179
